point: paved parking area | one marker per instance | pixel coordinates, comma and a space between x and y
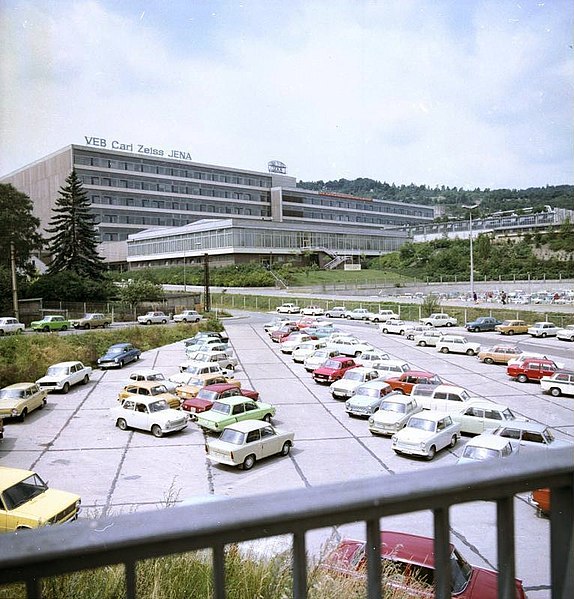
74, 445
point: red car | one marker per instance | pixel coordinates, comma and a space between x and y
410, 378
210, 393
278, 335
333, 369
531, 369
541, 499
307, 321
410, 562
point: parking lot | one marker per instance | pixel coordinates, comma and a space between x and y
74, 444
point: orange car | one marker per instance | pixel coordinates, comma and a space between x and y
541, 499
512, 327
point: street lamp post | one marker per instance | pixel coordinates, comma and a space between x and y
470, 209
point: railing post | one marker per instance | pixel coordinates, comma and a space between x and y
299, 566
218, 556
505, 547
130, 574
443, 574
373, 550
562, 541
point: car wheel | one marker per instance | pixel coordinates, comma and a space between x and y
64, 328
66, 387
385, 331
120, 364
470, 352
510, 332
44, 402
156, 431
543, 335
444, 350
249, 462
555, 392
105, 325
449, 324
348, 318
23, 414
46, 329
453, 441
432, 453
87, 325
267, 417
357, 354
164, 321
488, 361
122, 424
428, 324
148, 322
286, 448
85, 380
522, 378
184, 320
422, 344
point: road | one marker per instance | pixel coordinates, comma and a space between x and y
74, 445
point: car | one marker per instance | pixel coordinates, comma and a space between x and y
512, 327
234, 409
200, 336
289, 343
187, 316
387, 369
372, 356
306, 321
558, 383
383, 316
349, 346
91, 320
409, 567
358, 314
9, 325
566, 334
457, 344
147, 389
486, 447
528, 435
444, 398
19, 399
278, 335
193, 385
53, 322
429, 337
306, 348
398, 327
149, 414
149, 374
531, 369
61, 376
313, 311
27, 502
439, 319
406, 381
288, 308
244, 443
344, 387
318, 358
336, 312
275, 323
193, 368
226, 362
118, 355
426, 433
500, 354
333, 369
413, 330
543, 329
153, 317
393, 413
319, 332
540, 499
482, 324
209, 394
209, 345
367, 398
478, 416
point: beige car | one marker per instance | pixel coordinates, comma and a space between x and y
512, 327
18, 400
91, 321
195, 383
499, 354
148, 389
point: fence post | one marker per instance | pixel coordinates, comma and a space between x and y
256, 306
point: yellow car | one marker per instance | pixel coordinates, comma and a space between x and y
18, 400
147, 389
27, 502
512, 327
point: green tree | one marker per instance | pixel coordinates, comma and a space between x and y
73, 242
70, 286
140, 290
20, 226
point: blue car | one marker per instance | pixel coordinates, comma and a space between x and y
118, 355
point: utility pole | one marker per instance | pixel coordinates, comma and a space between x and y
207, 298
14, 282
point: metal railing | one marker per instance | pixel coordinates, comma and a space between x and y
32, 555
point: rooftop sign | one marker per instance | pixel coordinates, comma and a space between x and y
100, 142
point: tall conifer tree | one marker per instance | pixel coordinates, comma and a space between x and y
73, 242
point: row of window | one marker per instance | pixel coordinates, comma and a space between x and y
341, 217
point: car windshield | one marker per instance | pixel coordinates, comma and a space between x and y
232, 436
195, 381
23, 491
156, 377
158, 406
353, 375
115, 350
221, 408
57, 371
422, 424
368, 392
11, 393
393, 406
158, 390
207, 394
332, 364
479, 453
191, 369
548, 436
508, 415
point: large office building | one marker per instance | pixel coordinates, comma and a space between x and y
155, 209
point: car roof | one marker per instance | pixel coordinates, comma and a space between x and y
11, 476
145, 384
489, 441
144, 371
431, 415
246, 426
119, 345
524, 425
233, 400
563, 371
422, 373
19, 386
66, 364
219, 387
451, 388
376, 383
485, 403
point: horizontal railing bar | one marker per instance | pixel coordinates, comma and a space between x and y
60, 549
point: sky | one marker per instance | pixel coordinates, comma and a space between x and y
462, 93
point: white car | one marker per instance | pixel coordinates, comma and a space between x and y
292, 341
426, 433
276, 323
349, 346
187, 316
358, 314
372, 356
312, 311
414, 329
398, 327
559, 383
388, 369
149, 374
481, 415
393, 414
429, 337
566, 334
457, 344
149, 414
353, 378
439, 319
336, 312
543, 329
318, 358
288, 309
305, 349
384, 315
61, 376
368, 397
530, 436
486, 447
153, 318
225, 361
10, 325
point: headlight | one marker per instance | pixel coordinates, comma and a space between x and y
422, 445
394, 439
116, 360
371, 420
14, 412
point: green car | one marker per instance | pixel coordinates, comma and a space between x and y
233, 409
51, 323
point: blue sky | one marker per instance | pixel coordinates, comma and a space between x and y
467, 93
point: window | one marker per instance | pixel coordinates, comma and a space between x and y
253, 436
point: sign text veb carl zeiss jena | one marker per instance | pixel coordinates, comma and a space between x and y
100, 142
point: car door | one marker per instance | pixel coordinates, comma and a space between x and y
75, 374
35, 397
472, 421
238, 412
270, 441
141, 417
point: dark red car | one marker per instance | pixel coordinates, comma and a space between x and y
210, 393
333, 369
531, 369
408, 565
278, 335
410, 378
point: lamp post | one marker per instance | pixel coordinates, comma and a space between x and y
470, 209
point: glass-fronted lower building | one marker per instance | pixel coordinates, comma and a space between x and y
131, 192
